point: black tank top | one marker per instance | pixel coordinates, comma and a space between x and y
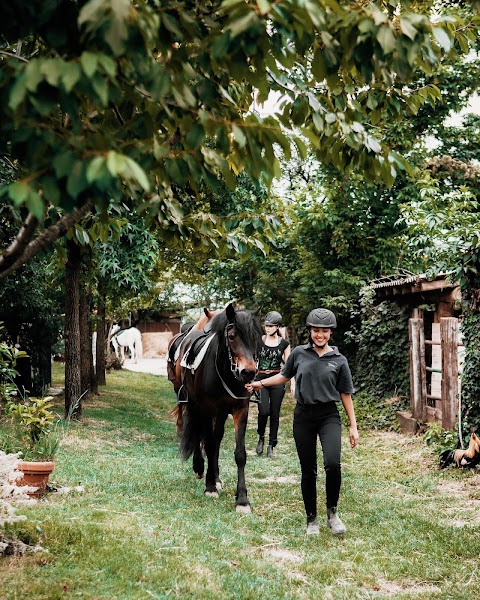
270, 357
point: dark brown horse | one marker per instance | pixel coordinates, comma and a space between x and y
215, 388
177, 347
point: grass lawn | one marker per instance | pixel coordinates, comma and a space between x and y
142, 527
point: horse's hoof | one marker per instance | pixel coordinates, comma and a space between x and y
211, 494
218, 485
243, 508
198, 475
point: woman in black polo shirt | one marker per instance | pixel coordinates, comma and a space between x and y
323, 378
273, 352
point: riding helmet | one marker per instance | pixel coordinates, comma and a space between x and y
273, 318
321, 317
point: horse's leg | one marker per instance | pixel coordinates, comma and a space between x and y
133, 353
212, 465
240, 419
198, 462
219, 432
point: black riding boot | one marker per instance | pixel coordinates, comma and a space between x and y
260, 443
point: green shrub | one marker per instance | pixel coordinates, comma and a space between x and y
372, 413
440, 439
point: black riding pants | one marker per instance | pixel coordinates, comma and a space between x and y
271, 399
322, 420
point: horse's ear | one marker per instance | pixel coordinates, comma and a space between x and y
230, 312
208, 313
256, 312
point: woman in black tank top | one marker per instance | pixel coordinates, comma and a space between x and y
273, 352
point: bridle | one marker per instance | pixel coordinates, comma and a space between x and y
232, 359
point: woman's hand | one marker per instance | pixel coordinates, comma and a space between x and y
254, 385
353, 435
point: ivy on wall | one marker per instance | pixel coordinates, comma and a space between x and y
381, 367
467, 274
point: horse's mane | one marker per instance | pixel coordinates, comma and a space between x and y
246, 322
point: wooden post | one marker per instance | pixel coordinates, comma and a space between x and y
418, 379
449, 336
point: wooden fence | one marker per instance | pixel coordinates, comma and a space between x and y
428, 401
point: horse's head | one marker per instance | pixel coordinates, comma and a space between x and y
115, 329
242, 333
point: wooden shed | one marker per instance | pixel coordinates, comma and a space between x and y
436, 349
157, 330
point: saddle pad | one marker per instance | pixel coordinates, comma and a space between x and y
196, 360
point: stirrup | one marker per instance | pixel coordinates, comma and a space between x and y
182, 395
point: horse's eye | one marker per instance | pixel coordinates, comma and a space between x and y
231, 337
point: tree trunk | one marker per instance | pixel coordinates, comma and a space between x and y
100, 350
73, 390
85, 342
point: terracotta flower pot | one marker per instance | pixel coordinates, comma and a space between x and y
35, 474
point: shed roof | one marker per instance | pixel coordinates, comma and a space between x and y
404, 283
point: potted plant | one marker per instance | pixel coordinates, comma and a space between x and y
31, 428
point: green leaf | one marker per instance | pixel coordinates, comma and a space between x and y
35, 205
319, 69
238, 26
33, 75
100, 86
264, 6
108, 64
442, 38
175, 210
407, 27
117, 33
220, 45
18, 192
228, 4
135, 171
315, 12
51, 192
115, 163
77, 180
386, 39
239, 136
195, 136
96, 169
63, 163
53, 70
71, 75
18, 91
89, 62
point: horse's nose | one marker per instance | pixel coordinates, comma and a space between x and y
247, 375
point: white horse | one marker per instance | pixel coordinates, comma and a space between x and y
127, 338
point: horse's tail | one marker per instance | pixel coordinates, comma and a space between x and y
177, 413
192, 433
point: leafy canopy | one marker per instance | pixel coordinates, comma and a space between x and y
108, 98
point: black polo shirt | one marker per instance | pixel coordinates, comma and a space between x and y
318, 378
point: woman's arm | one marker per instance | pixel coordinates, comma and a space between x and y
348, 406
269, 381
286, 354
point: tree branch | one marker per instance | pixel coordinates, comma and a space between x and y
12, 55
17, 247
43, 241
